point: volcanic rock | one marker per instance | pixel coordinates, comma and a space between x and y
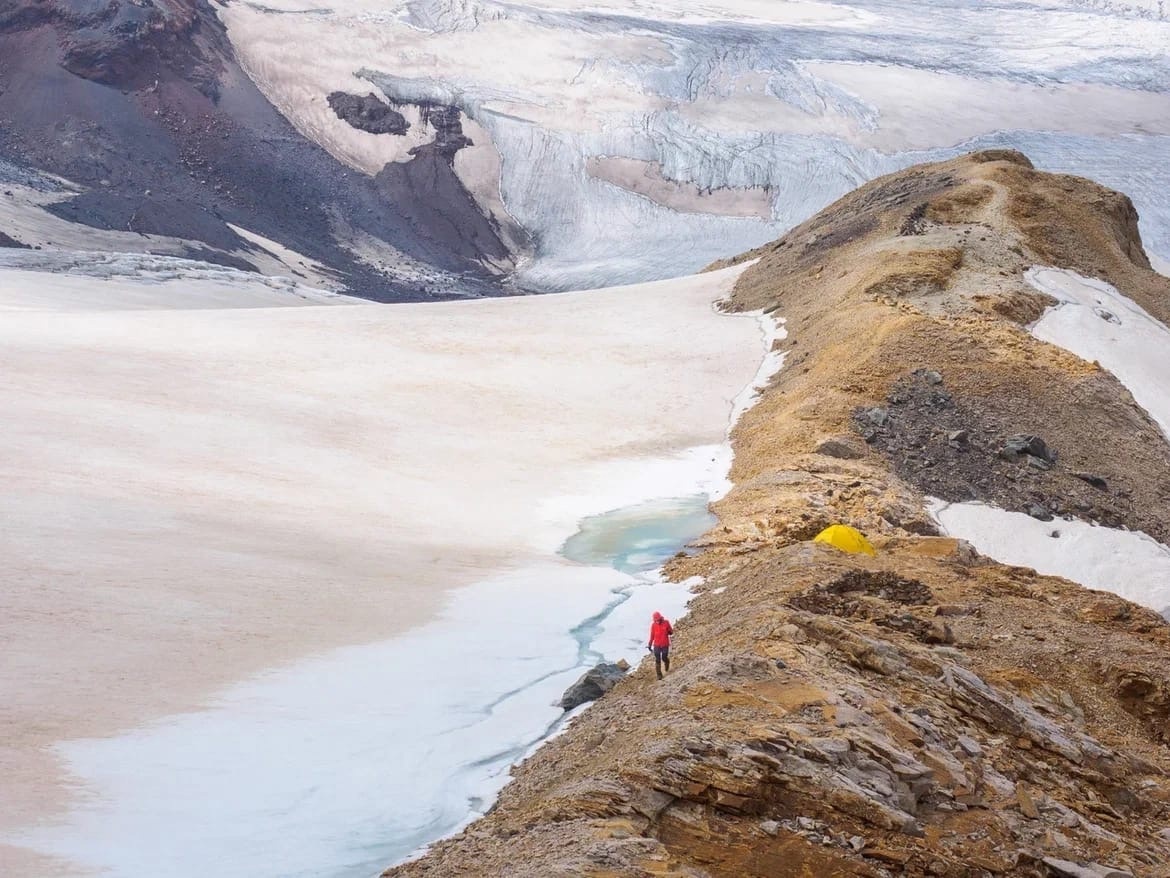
369, 113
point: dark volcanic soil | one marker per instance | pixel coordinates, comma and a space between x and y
147, 106
956, 447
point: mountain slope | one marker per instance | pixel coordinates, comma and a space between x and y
145, 108
928, 711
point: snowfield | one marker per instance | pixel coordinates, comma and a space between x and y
643, 140
1127, 563
1095, 321
203, 494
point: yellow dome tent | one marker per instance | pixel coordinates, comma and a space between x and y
845, 538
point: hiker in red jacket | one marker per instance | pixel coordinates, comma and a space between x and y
660, 631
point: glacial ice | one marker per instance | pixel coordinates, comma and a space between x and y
71, 280
339, 766
807, 100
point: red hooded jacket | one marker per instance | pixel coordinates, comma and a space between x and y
660, 631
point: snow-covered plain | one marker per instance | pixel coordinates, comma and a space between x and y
1095, 321
597, 109
202, 494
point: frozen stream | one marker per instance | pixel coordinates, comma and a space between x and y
343, 764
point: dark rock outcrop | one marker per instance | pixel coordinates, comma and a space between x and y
369, 113
145, 105
960, 445
593, 684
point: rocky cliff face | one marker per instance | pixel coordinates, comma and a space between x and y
927, 711
143, 105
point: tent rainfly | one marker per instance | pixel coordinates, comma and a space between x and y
846, 538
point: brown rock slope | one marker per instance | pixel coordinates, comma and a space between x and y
927, 711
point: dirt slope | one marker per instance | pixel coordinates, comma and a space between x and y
927, 711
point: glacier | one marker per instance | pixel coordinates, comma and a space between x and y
802, 101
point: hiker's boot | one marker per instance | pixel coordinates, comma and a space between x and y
666, 665
658, 669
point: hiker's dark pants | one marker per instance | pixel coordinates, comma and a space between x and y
661, 659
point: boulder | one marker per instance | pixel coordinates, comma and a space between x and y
842, 447
1094, 480
1023, 445
1068, 869
970, 746
593, 684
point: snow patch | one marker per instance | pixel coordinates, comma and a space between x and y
1095, 321
1128, 563
1160, 265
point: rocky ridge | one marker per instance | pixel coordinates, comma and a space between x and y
927, 711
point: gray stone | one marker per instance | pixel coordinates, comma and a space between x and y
770, 827
1024, 444
970, 746
879, 417
958, 438
1109, 871
857, 843
1095, 481
1069, 869
592, 685
369, 113
1039, 512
